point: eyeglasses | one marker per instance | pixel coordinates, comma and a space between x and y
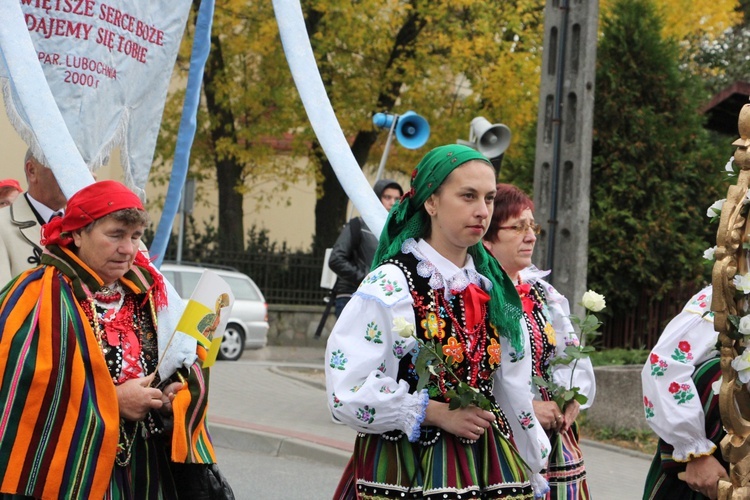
522, 228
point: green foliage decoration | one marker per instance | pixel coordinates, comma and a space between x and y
650, 160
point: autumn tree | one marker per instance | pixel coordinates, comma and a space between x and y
654, 172
447, 60
248, 108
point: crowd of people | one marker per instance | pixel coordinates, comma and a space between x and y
453, 301
445, 339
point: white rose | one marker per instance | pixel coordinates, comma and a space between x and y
593, 301
742, 364
403, 327
715, 209
742, 283
709, 253
744, 327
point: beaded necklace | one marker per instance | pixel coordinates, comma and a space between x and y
536, 322
128, 342
472, 339
117, 330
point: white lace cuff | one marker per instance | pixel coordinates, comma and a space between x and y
414, 410
693, 450
539, 485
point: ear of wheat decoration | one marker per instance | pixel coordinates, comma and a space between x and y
729, 304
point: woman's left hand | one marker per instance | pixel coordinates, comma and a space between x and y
167, 396
570, 414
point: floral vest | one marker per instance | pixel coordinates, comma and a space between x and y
475, 351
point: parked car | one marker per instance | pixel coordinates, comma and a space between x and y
248, 324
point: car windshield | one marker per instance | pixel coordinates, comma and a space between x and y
241, 288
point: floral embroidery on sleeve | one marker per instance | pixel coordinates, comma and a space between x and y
336, 401
526, 421
648, 406
389, 287
682, 352
658, 366
572, 340
381, 368
338, 360
369, 280
682, 393
700, 301
398, 348
373, 333
366, 414
515, 357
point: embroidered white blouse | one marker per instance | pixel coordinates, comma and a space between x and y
363, 354
671, 404
557, 312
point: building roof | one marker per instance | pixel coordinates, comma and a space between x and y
723, 110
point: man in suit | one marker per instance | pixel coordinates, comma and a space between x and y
21, 222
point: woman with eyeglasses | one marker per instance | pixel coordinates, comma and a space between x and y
510, 238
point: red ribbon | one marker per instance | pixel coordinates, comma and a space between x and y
474, 299
526, 300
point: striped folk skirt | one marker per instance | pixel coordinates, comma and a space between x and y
566, 472
439, 466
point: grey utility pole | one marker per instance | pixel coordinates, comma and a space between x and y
562, 169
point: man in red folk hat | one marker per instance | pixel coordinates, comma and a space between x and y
86, 412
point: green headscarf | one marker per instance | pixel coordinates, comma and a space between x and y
409, 219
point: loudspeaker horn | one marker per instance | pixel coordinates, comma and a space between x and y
383, 120
489, 139
412, 131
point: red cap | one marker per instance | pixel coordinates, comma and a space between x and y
11, 183
87, 205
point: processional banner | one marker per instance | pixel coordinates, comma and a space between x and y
108, 64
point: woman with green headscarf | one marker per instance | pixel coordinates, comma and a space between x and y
433, 284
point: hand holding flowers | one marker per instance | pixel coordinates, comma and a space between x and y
588, 328
432, 361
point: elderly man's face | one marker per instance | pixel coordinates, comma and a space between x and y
109, 248
7, 196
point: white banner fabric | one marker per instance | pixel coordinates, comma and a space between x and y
108, 65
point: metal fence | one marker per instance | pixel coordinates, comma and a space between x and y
642, 327
283, 278
294, 279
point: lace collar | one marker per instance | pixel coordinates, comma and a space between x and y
531, 274
443, 273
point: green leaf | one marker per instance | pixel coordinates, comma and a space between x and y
580, 398
574, 352
562, 360
424, 379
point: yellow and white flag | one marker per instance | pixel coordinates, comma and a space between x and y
206, 315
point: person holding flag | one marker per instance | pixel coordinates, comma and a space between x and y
85, 412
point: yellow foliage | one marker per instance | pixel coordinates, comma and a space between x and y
686, 20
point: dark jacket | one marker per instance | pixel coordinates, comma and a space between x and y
352, 254
351, 264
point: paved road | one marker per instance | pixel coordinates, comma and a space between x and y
275, 438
